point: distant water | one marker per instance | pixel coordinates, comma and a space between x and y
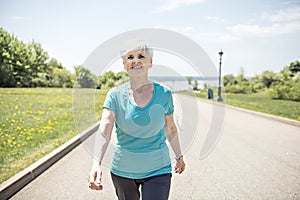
178, 83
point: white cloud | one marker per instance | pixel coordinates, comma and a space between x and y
284, 21
196, 34
264, 31
175, 4
18, 18
288, 14
218, 37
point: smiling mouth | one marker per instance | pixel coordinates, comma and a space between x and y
136, 67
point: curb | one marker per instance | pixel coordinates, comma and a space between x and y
260, 114
21, 179
268, 116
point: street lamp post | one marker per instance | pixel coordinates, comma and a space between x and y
219, 98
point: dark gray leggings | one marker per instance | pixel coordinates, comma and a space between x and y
153, 188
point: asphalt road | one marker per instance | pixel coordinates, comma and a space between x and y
255, 158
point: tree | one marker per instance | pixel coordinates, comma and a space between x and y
84, 77
121, 78
189, 79
294, 67
22, 65
110, 79
195, 85
256, 84
38, 63
7, 78
62, 78
14, 61
267, 78
228, 79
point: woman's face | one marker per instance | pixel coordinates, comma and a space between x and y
137, 62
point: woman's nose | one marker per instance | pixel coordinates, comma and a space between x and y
136, 60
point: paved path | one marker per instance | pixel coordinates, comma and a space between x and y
255, 158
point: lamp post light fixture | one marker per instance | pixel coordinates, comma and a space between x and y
219, 98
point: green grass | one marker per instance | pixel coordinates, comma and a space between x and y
35, 121
261, 102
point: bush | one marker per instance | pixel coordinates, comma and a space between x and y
295, 91
236, 89
62, 78
288, 91
258, 87
243, 88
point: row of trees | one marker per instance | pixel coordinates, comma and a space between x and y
29, 65
282, 85
86, 79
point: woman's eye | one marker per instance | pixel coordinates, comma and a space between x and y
141, 56
130, 57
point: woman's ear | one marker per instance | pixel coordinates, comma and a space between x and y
124, 66
150, 63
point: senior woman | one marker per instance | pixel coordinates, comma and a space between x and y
142, 113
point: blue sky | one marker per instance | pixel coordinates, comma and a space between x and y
257, 35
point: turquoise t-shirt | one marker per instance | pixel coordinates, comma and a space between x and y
141, 150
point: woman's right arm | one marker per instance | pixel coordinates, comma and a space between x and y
102, 139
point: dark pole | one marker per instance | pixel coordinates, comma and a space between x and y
219, 88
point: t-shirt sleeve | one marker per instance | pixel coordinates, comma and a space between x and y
170, 108
110, 101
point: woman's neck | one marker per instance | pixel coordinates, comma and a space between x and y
137, 83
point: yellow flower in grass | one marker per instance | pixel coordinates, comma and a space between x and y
40, 112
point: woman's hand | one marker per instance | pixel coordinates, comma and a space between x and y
180, 166
95, 178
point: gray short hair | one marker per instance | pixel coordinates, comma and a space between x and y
133, 45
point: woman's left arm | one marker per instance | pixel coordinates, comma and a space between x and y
172, 136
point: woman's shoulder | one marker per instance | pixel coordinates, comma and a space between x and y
162, 88
119, 89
